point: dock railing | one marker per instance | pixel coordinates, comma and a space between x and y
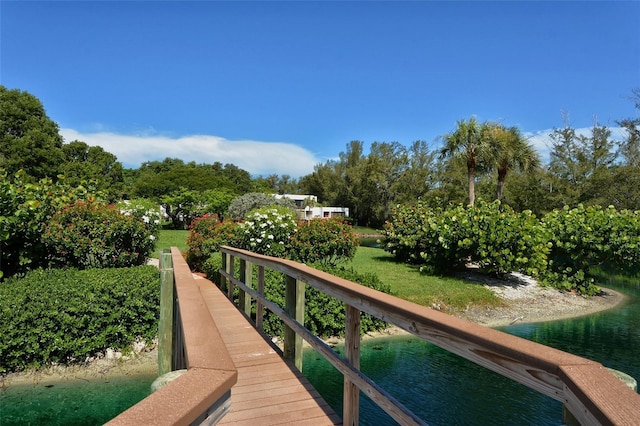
589, 391
188, 340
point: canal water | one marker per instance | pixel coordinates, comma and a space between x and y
72, 401
444, 389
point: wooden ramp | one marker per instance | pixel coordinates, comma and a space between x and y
270, 390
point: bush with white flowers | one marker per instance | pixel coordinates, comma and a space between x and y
144, 210
267, 230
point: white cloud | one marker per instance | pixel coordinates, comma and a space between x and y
256, 157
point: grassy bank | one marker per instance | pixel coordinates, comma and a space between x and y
406, 282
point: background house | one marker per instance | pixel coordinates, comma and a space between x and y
307, 209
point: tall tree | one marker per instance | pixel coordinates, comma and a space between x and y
83, 163
29, 139
630, 147
466, 144
510, 152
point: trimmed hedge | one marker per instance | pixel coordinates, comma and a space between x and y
65, 316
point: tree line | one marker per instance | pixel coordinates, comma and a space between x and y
475, 160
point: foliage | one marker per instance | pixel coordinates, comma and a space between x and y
25, 209
324, 315
206, 235
87, 235
325, 241
267, 230
156, 179
29, 139
241, 206
489, 234
371, 184
82, 163
586, 237
183, 206
65, 316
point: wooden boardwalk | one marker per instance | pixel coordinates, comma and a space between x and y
269, 391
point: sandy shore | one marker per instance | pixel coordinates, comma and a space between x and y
524, 301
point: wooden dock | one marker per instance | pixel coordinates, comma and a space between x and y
269, 391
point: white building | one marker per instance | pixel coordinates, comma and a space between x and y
305, 206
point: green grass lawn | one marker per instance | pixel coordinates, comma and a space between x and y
168, 238
408, 283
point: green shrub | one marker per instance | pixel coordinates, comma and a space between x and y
25, 209
94, 235
585, 238
325, 241
324, 315
491, 235
65, 316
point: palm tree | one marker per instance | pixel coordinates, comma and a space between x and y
466, 144
509, 151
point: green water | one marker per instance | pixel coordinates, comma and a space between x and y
72, 402
444, 389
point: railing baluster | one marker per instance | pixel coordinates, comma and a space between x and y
165, 325
295, 308
246, 276
351, 399
259, 305
230, 270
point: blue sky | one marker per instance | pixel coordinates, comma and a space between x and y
277, 87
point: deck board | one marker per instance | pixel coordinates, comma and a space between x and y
269, 391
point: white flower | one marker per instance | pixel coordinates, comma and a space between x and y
151, 237
259, 240
270, 237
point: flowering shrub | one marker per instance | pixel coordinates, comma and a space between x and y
206, 235
144, 210
325, 241
267, 230
94, 235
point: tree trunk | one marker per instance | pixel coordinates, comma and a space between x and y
472, 186
502, 176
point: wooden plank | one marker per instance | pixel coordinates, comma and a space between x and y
268, 390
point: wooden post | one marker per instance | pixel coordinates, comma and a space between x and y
246, 275
351, 399
295, 309
223, 279
259, 307
165, 325
230, 270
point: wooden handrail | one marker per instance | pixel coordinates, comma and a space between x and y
588, 390
191, 398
